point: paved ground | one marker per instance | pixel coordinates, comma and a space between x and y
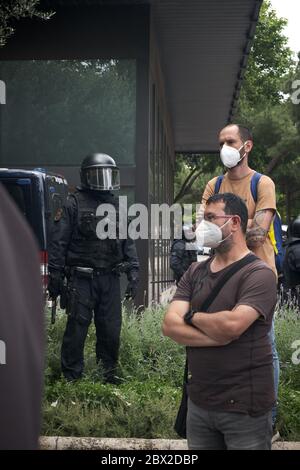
93, 443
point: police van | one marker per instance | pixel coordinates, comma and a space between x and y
39, 196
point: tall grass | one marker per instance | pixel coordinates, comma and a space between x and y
151, 368
144, 405
287, 329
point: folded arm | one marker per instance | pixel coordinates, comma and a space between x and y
175, 327
226, 325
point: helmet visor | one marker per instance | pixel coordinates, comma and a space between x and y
104, 179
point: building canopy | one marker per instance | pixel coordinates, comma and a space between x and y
203, 47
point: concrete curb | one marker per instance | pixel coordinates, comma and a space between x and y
104, 443
94, 443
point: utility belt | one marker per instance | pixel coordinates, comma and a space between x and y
80, 271
89, 273
70, 300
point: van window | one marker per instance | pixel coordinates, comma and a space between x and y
18, 193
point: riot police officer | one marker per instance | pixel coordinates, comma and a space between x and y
180, 257
92, 267
291, 264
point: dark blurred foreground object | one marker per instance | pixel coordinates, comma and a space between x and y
21, 331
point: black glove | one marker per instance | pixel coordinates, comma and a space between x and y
132, 287
55, 284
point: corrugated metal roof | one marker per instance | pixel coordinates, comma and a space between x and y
204, 45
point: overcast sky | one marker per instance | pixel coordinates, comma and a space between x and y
290, 9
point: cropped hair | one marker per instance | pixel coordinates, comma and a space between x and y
233, 205
244, 132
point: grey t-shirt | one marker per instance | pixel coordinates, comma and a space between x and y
239, 376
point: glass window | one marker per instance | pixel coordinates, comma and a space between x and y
58, 111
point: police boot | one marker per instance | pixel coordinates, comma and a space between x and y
110, 376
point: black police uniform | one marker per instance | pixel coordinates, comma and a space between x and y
74, 247
181, 258
291, 263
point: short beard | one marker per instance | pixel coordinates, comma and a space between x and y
225, 246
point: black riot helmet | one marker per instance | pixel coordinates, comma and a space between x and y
99, 172
294, 228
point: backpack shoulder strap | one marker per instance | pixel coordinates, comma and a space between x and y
236, 267
253, 185
218, 183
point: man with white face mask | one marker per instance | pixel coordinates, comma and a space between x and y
211, 235
230, 387
236, 143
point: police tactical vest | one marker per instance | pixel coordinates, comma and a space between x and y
291, 265
86, 249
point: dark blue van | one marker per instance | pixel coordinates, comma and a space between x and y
39, 196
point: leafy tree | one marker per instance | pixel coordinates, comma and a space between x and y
293, 89
263, 104
12, 10
263, 107
191, 175
287, 171
269, 62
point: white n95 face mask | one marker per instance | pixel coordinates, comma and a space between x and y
230, 156
209, 234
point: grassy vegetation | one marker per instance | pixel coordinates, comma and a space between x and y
287, 333
151, 367
144, 405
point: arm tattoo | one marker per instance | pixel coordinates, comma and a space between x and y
258, 219
256, 235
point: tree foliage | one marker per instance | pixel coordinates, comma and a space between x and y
191, 173
13, 10
266, 108
60, 110
269, 62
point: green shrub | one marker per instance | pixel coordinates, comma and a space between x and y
289, 413
135, 409
145, 353
151, 366
287, 329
